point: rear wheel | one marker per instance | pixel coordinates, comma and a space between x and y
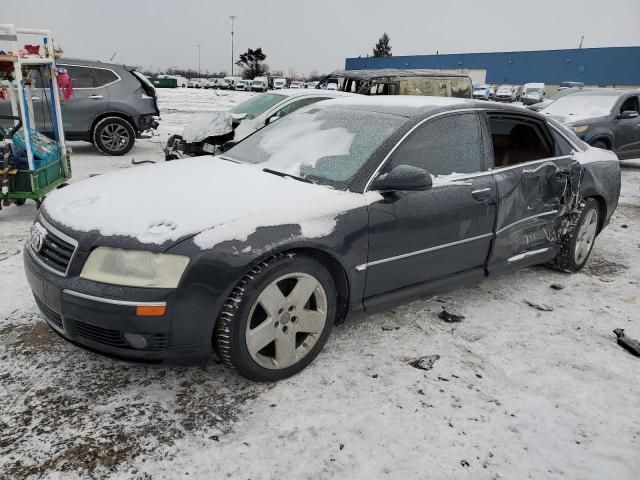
600, 144
278, 318
114, 136
578, 242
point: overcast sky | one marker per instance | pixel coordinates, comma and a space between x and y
305, 35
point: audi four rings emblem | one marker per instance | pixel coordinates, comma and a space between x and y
37, 238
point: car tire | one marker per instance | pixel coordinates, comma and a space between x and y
600, 144
577, 243
267, 330
113, 136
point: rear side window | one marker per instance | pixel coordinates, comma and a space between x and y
103, 77
518, 140
563, 147
293, 106
445, 145
81, 77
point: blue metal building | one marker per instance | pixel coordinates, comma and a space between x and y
619, 66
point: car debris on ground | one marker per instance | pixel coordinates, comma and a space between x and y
425, 362
538, 306
450, 317
627, 343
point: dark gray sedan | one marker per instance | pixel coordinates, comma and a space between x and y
341, 209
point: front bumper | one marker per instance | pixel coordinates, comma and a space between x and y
98, 319
530, 101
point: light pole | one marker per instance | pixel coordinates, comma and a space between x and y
199, 45
232, 18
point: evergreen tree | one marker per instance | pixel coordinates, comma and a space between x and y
252, 64
383, 47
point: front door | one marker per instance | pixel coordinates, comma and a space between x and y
417, 237
535, 188
627, 137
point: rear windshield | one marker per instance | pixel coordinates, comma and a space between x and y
325, 146
257, 105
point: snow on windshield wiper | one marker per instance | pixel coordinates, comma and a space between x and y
282, 174
229, 159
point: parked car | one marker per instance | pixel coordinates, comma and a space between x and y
605, 118
244, 85
331, 213
536, 107
481, 92
296, 85
260, 84
111, 105
311, 84
279, 83
231, 82
532, 93
571, 85
506, 93
197, 83
388, 81
216, 83
218, 131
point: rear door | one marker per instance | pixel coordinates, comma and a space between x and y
536, 184
417, 237
90, 97
627, 137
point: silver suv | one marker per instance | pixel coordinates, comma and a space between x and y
111, 104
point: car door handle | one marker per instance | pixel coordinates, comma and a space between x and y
35, 98
95, 97
482, 194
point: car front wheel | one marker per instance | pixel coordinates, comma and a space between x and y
278, 318
578, 242
114, 136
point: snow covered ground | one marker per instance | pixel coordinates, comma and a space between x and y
516, 393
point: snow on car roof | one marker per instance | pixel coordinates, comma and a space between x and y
299, 92
407, 105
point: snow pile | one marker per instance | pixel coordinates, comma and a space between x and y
312, 143
223, 200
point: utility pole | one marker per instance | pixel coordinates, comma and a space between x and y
199, 45
232, 18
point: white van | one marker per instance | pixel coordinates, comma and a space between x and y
260, 84
532, 93
279, 83
231, 82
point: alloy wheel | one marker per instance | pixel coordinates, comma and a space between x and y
286, 321
115, 137
586, 236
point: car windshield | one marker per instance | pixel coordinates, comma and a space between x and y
533, 90
505, 88
563, 92
257, 105
325, 146
583, 105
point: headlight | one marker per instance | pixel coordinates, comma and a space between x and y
134, 268
580, 129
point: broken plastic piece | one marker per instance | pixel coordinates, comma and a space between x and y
450, 317
425, 363
538, 306
627, 343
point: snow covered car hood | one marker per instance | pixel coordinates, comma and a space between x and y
213, 199
211, 125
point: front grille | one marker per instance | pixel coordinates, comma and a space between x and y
115, 338
55, 252
49, 314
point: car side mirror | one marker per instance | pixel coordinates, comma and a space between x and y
627, 114
272, 119
403, 178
